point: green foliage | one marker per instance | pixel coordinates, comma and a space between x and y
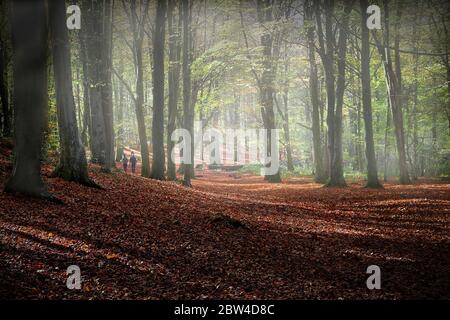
251, 168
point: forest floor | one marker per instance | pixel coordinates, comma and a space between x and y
230, 236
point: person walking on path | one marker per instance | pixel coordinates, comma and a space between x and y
133, 161
125, 162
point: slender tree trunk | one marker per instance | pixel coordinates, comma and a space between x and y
393, 83
120, 122
398, 105
386, 140
415, 171
106, 88
320, 175
372, 172
266, 90
93, 17
158, 92
287, 137
328, 65
336, 168
72, 161
187, 112
361, 163
86, 109
78, 99
138, 33
174, 76
29, 34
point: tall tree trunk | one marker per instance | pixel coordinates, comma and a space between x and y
78, 99
173, 81
29, 35
386, 140
93, 18
399, 101
106, 81
326, 51
120, 123
287, 136
158, 91
72, 161
188, 117
138, 34
372, 172
266, 90
319, 172
85, 138
337, 170
415, 160
328, 64
393, 81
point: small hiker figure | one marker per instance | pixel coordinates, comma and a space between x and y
125, 162
133, 161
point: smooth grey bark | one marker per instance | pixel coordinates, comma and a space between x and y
397, 111
119, 100
188, 116
138, 35
93, 19
106, 81
72, 160
393, 83
319, 170
372, 171
326, 52
29, 40
337, 167
285, 114
287, 136
266, 85
85, 136
335, 86
158, 160
173, 82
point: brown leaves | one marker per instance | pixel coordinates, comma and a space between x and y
226, 238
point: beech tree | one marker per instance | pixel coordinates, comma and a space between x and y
158, 91
137, 17
266, 82
188, 116
174, 33
72, 160
372, 172
335, 85
394, 86
319, 170
29, 43
97, 33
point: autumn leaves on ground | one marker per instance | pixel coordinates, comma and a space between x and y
230, 236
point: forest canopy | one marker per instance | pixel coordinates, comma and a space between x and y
347, 100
